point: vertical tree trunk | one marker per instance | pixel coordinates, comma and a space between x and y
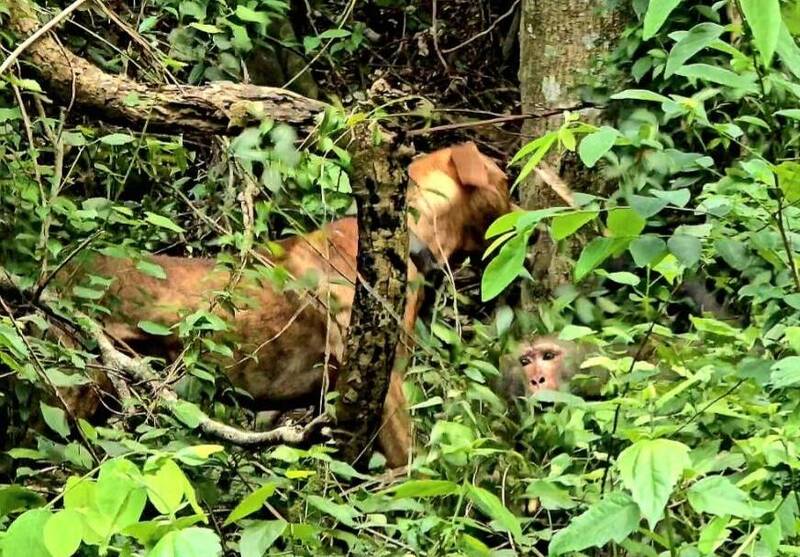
560, 42
379, 186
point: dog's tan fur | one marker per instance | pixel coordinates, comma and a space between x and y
282, 337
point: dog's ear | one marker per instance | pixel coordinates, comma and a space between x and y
470, 165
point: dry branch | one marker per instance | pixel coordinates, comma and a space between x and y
218, 108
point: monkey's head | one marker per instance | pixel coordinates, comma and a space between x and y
542, 363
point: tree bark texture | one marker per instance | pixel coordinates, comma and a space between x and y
218, 108
379, 186
560, 41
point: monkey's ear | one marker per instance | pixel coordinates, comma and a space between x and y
470, 166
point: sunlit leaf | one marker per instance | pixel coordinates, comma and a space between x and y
613, 518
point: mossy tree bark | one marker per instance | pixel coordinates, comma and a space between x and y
560, 42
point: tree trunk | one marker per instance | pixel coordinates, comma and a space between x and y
560, 41
379, 186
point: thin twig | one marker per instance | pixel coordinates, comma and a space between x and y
485, 31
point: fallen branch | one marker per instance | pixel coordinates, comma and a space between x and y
218, 108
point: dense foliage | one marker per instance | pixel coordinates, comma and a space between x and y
692, 452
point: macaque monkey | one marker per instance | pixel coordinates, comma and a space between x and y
546, 363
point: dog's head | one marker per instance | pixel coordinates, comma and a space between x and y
459, 192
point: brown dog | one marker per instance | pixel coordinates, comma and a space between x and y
283, 339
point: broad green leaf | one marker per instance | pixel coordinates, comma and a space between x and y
640, 95
119, 494
597, 144
490, 505
699, 37
686, 248
657, 13
24, 537
647, 249
785, 372
63, 532
573, 332
764, 19
622, 277
197, 454
551, 495
503, 224
335, 34
87, 293
251, 503
624, 222
117, 139
679, 198
595, 252
151, 269
793, 113
717, 495
253, 16
420, 489
713, 535
713, 326
613, 518
788, 51
162, 221
55, 418
567, 224
153, 328
646, 206
259, 536
165, 487
345, 514
14, 498
188, 413
719, 75
650, 469
505, 267
733, 252
788, 174
189, 542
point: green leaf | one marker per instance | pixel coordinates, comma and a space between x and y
117, 139
657, 13
625, 223
63, 532
718, 496
567, 224
119, 494
713, 326
151, 269
699, 37
551, 496
189, 542
650, 469
259, 536
597, 144
543, 147
55, 418
640, 95
490, 505
153, 328
335, 34
253, 16
343, 513
595, 252
250, 504
713, 535
785, 372
165, 487
24, 537
718, 75
87, 293
647, 249
188, 413
646, 206
686, 248
733, 252
764, 19
14, 498
421, 489
505, 267
788, 50
163, 222
793, 113
611, 519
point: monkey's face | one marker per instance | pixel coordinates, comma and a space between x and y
542, 363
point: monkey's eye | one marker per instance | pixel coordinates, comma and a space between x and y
548, 355
524, 360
